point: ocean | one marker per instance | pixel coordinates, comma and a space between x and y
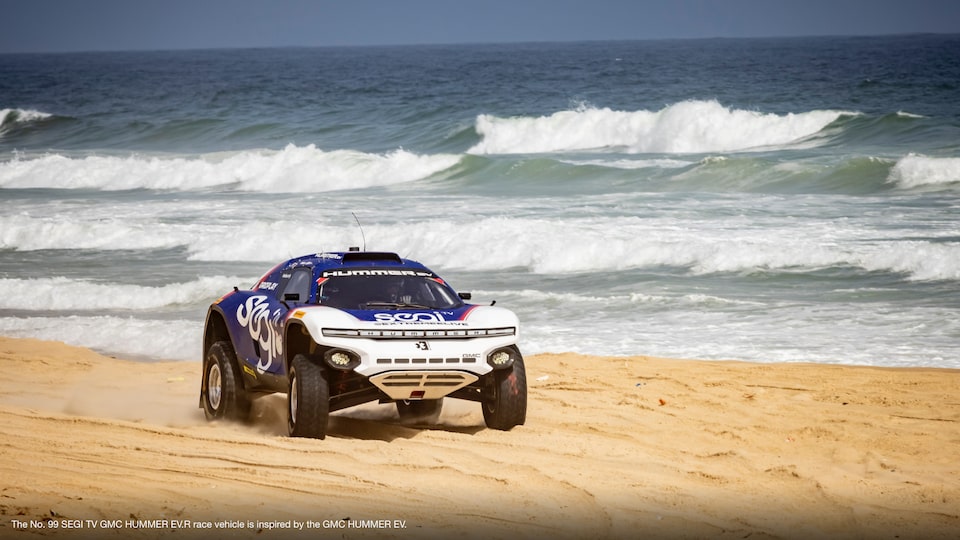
770, 200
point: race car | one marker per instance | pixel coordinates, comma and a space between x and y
339, 329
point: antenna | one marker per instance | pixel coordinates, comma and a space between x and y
362, 237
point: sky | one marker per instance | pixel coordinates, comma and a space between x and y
111, 25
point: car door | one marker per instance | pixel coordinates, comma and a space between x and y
264, 314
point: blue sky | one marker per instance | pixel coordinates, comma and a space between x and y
81, 25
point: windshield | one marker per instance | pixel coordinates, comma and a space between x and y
385, 289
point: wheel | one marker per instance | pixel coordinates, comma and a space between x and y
419, 412
505, 397
308, 401
223, 395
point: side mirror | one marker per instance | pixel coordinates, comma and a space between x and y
465, 296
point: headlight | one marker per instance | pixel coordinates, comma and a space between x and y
508, 331
500, 359
342, 359
340, 332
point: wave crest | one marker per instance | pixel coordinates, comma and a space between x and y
685, 127
61, 294
603, 245
14, 116
291, 170
915, 170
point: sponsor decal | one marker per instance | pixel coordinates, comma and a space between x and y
444, 317
265, 276
255, 316
375, 272
405, 317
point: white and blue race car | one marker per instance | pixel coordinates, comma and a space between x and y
335, 330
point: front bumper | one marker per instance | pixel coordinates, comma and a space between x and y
412, 369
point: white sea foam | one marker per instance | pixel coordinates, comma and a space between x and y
295, 169
921, 261
64, 294
915, 170
251, 237
28, 233
589, 245
585, 245
685, 127
548, 298
538, 245
615, 329
126, 336
630, 164
774, 332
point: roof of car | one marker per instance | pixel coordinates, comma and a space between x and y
342, 259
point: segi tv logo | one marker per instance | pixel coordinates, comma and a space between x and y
435, 317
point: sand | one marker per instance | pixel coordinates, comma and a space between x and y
613, 447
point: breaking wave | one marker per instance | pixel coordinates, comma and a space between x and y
291, 170
585, 245
617, 244
915, 170
685, 127
63, 294
550, 299
9, 117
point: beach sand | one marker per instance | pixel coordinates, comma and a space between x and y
613, 447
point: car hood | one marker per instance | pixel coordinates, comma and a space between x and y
467, 316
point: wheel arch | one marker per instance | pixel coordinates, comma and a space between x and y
215, 330
296, 340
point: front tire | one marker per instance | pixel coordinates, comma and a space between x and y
419, 412
223, 395
505, 397
308, 400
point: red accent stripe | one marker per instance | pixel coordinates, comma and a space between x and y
467, 312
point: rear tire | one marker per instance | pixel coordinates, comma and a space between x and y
308, 400
505, 397
223, 395
419, 412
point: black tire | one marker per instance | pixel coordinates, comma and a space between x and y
223, 395
419, 412
505, 397
308, 400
